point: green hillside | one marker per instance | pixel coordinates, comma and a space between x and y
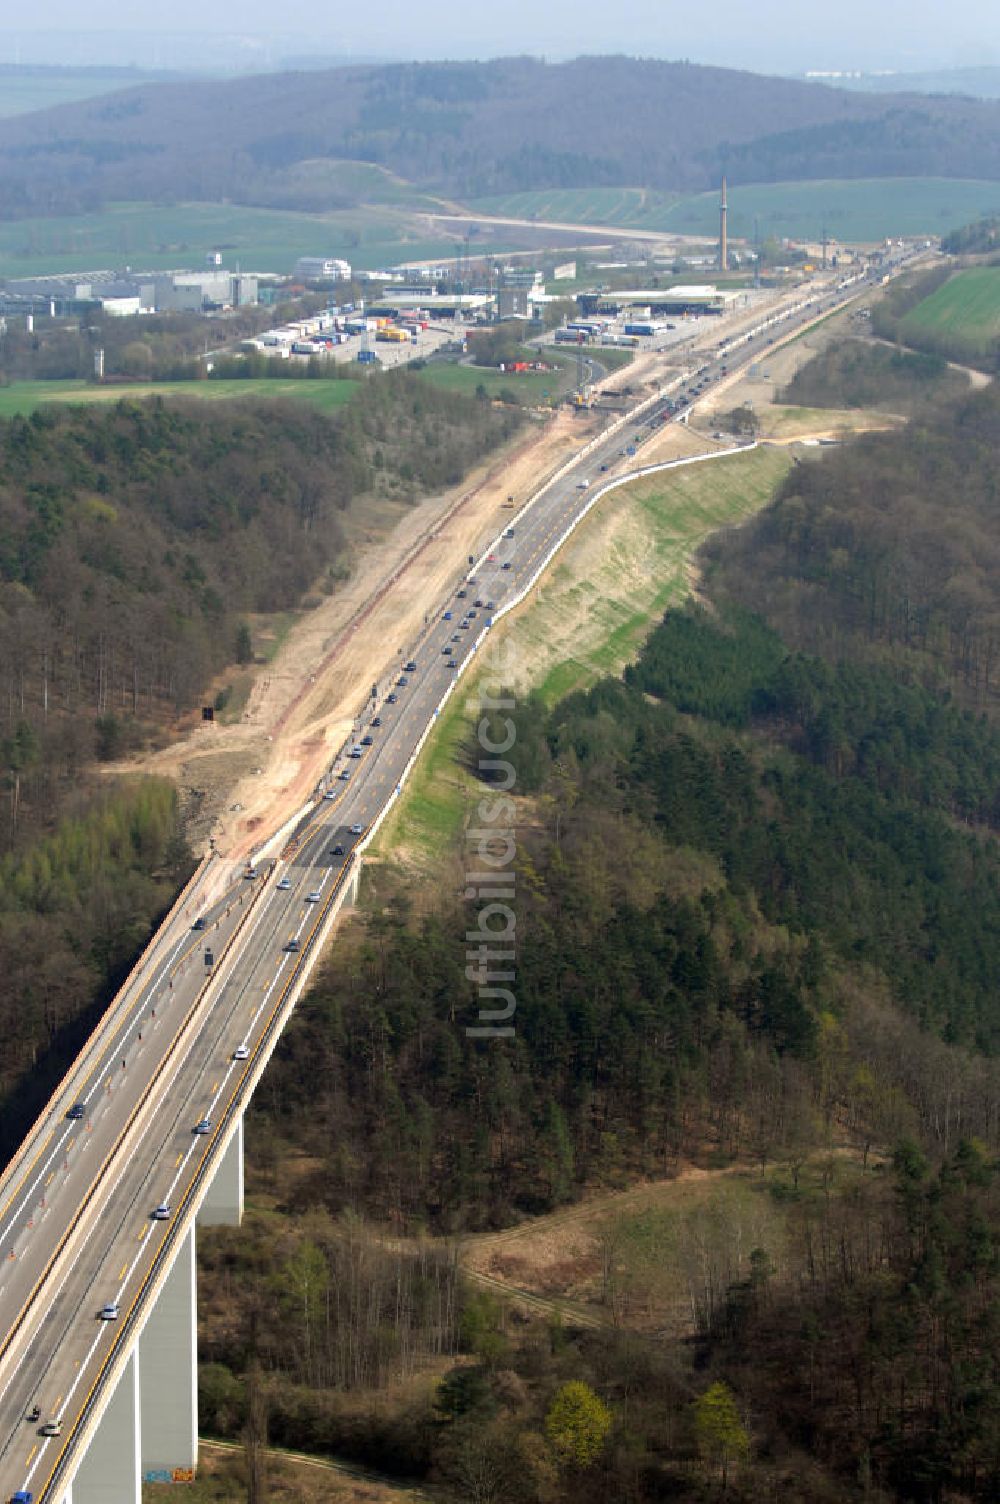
966, 307
168, 236
863, 209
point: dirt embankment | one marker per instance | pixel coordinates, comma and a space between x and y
242, 780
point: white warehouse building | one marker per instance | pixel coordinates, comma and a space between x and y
322, 268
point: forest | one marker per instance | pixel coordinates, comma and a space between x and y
135, 541
466, 129
758, 900
856, 373
887, 552
77, 904
737, 936
136, 538
973, 239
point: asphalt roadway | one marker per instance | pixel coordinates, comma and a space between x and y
181, 1042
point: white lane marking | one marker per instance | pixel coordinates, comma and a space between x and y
12, 1216
69, 1395
58, 1149
153, 987
194, 1142
117, 1181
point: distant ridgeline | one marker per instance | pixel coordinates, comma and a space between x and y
469, 129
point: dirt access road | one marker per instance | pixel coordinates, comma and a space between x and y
240, 779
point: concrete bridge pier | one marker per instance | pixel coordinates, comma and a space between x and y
168, 1363
111, 1468
223, 1203
149, 1425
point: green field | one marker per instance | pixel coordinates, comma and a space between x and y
25, 396
599, 206
531, 387
24, 89
158, 237
867, 209
966, 309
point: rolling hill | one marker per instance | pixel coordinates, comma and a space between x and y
470, 129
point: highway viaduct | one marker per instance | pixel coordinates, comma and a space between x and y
143, 1140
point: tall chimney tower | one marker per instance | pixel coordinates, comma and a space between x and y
723, 236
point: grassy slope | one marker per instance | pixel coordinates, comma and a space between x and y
968, 305
167, 237
655, 1227
615, 578
292, 1478
25, 396
578, 205
864, 209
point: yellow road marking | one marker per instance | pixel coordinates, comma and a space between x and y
57, 1403
178, 1160
121, 1272
31, 1454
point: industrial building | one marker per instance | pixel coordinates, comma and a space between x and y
322, 269
437, 305
128, 293
512, 303
522, 276
680, 299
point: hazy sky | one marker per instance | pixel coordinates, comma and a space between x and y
761, 34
